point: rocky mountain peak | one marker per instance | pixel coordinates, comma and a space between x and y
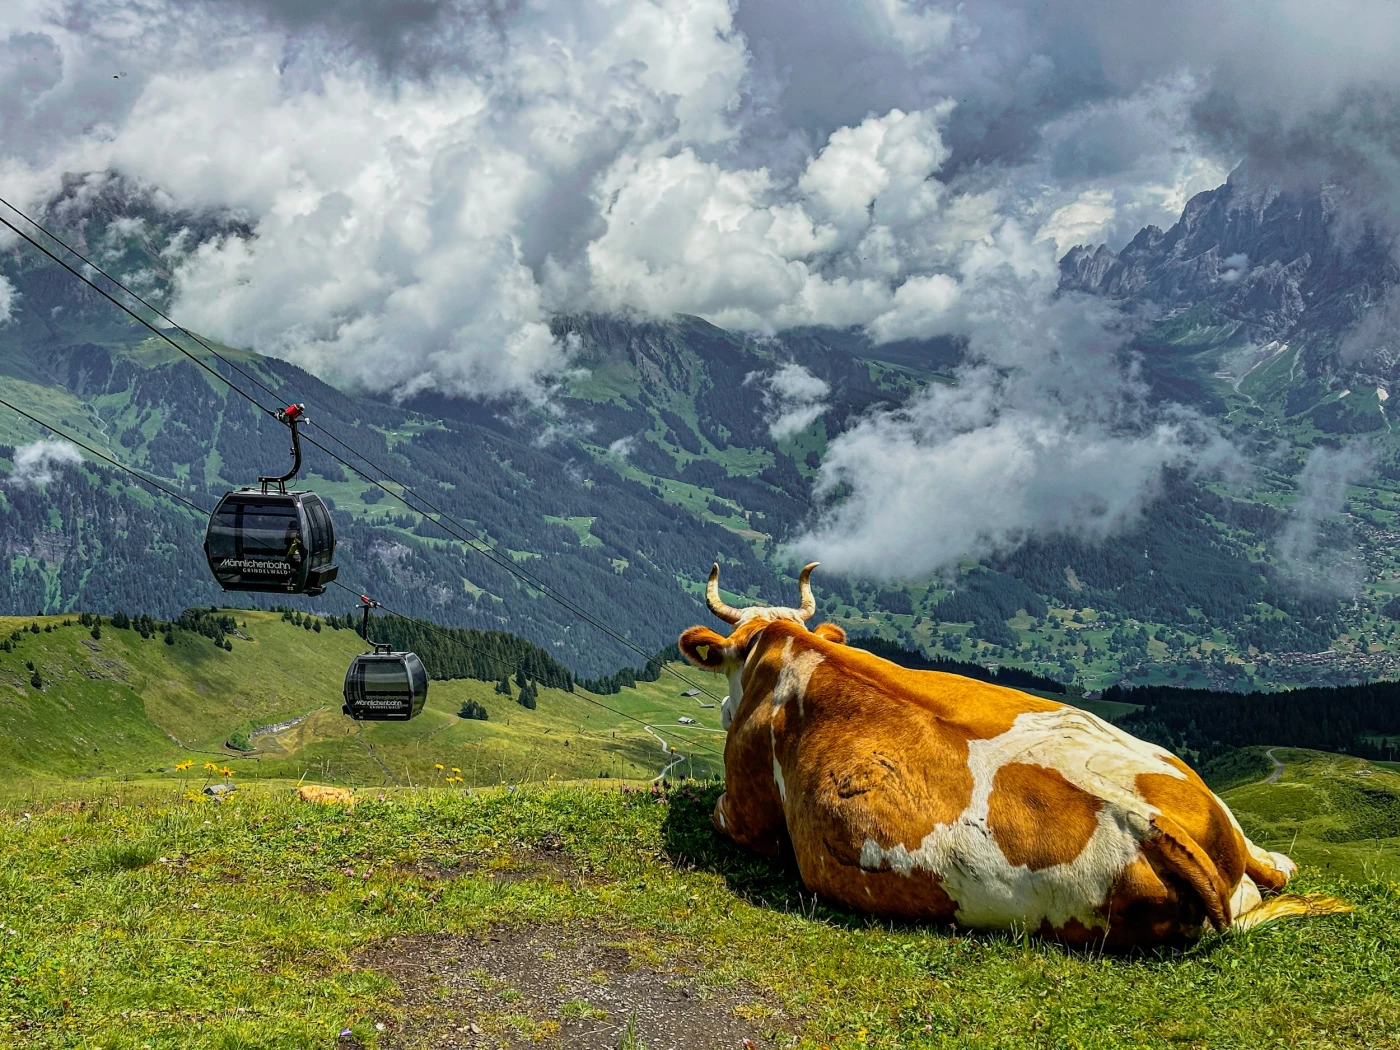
1284, 262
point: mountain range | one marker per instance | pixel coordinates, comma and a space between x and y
1261, 308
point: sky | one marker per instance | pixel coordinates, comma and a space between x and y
428, 183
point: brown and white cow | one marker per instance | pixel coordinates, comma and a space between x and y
929, 796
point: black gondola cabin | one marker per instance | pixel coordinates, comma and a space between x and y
282, 542
268, 539
385, 687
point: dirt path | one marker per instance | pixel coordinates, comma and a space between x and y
281, 727
666, 749
1278, 767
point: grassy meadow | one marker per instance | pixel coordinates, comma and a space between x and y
562, 909
145, 916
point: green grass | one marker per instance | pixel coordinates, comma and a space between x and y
123, 706
144, 917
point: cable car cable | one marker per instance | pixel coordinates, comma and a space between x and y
117, 302
148, 305
489, 553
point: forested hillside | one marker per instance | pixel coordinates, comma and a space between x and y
1362, 720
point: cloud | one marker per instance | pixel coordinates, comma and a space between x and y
1315, 560
408, 232
623, 446
1235, 267
1047, 430
795, 398
8, 295
428, 184
1082, 221
37, 463
1374, 341
683, 234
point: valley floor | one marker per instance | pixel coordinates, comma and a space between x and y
143, 915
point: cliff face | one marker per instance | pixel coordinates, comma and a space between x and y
1283, 263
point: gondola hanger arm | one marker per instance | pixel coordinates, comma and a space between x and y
292, 416
366, 604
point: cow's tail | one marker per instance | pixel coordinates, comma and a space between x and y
1290, 906
1180, 854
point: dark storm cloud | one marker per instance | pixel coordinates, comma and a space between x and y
401, 37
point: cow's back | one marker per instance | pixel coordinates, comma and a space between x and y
924, 795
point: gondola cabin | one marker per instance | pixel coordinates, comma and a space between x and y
385, 687
268, 539
280, 542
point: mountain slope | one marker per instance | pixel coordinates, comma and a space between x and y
122, 705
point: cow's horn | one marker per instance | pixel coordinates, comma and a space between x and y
718, 605
804, 588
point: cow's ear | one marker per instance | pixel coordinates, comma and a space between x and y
831, 632
704, 648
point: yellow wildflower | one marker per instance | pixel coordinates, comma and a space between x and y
211, 767
225, 772
180, 767
437, 765
456, 770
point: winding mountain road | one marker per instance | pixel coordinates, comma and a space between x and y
1278, 767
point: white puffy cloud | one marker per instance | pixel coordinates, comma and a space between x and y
427, 187
1082, 221
795, 398
8, 296
428, 184
931, 486
37, 463
408, 232
1046, 430
623, 446
688, 235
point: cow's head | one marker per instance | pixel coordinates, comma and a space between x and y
726, 654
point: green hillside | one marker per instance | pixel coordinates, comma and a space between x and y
125, 706
656, 460
1332, 813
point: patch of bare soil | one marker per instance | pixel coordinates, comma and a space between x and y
546, 858
573, 988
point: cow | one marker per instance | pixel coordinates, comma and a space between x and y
926, 796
